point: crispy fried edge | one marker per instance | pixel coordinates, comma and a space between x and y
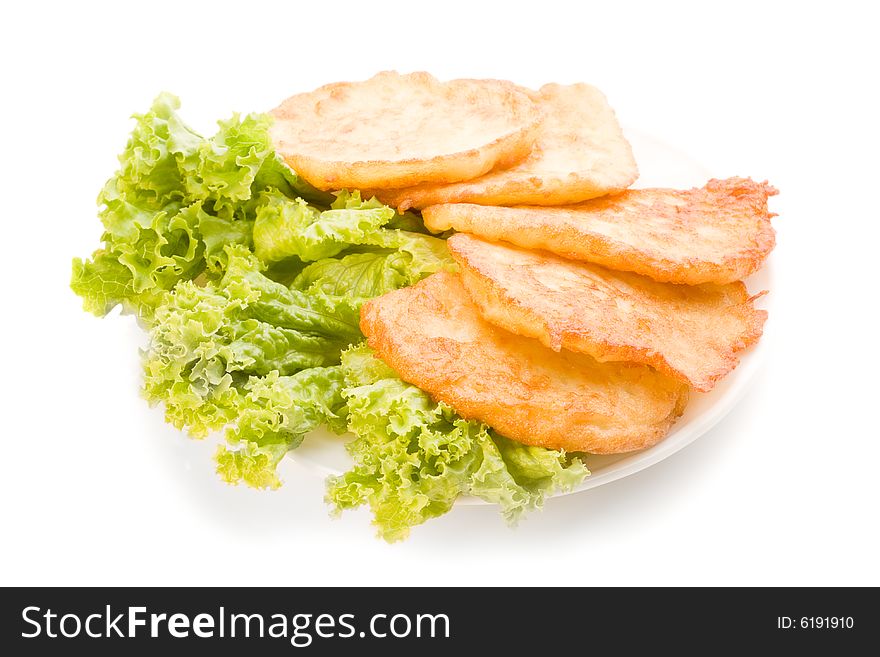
592, 247
448, 168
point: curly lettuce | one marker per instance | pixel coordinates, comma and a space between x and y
274, 414
284, 229
248, 354
175, 202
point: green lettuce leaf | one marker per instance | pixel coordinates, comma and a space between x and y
359, 275
207, 340
273, 416
149, 169
222, 170
374, 272
175, 202
103, 282
375, 260
427, 254
413, 458
248, 354
286, 228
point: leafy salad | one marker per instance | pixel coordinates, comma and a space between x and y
249, 282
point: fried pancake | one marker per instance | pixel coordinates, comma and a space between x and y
716, 234
694, 334
398, 130
580, 154
434, 337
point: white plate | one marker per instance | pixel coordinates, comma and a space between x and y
661, 166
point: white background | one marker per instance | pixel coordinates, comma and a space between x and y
95, 489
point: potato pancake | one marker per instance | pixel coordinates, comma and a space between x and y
397, 130
719, 233
692, 333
